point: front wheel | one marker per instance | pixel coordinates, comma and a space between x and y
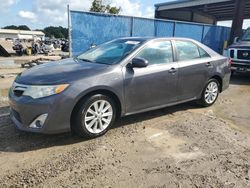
94, 116
210, 93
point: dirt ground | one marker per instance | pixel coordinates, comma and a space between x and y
180, 146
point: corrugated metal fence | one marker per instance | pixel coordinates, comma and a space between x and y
95, 28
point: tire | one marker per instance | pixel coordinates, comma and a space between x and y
210, 93
89, 120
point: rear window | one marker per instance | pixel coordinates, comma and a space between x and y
187, 50
203, 53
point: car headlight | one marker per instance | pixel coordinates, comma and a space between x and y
44, 91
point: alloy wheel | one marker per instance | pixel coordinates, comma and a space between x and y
98, 116
211, 92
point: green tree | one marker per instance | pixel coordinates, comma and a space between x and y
56, 32
20, 27
98, 6
10, 27
23, 27
113, 10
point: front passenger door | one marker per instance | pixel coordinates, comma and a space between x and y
154, 85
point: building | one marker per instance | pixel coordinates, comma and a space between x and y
20, 34
206, 11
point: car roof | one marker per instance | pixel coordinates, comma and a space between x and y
146, 39
154, 38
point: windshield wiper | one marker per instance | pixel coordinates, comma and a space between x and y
87, 60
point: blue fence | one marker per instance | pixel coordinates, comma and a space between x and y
95, 28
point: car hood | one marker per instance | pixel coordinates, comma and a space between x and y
58, 72
240, 44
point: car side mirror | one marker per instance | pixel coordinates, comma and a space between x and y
139, 62
236, 39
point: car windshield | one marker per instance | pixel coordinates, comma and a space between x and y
111, 52
246, 36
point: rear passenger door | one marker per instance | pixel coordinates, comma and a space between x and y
194, 69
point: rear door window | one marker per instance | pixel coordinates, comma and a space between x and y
187, 50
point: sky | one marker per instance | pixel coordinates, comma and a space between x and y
38, 14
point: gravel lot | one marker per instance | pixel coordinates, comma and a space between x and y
181, 146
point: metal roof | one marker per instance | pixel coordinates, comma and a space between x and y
186, 3
21, 32
221, 9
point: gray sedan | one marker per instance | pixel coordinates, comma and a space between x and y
125, 76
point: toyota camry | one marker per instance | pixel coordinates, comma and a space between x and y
85, 94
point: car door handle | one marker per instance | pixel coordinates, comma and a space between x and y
172, 70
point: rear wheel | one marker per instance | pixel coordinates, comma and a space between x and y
94, 116
210, 93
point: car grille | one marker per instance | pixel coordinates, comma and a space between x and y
16, 115
18, 89
243, 54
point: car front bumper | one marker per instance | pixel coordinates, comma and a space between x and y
24, 111
240, 66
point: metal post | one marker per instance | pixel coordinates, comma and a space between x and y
69, 32
174, 29
131, 26
203, 31
155, 28
237, 24
157, 14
